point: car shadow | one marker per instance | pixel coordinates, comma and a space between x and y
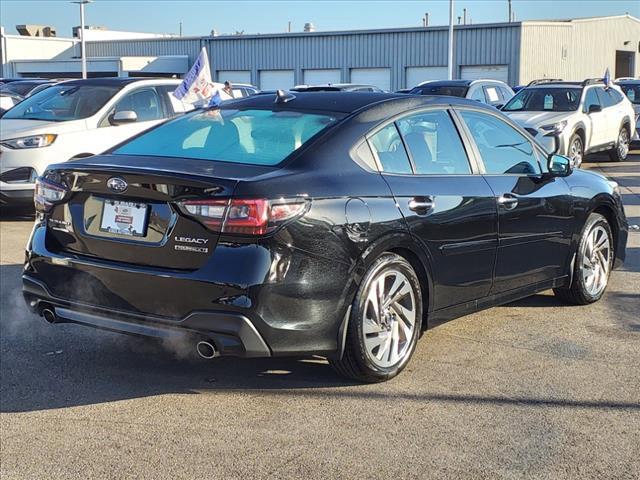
46, 366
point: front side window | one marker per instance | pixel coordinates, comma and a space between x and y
144, 102
503, 149
387, 145
61, 103
554, 99
591, 98
478, 95
256, 137
434, 144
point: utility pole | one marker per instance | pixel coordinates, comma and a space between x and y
83, 55
289, 27
450, 59
509, 1
180, 31
426, 19
464, 16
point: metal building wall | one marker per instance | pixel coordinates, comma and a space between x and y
577, 49
396, 49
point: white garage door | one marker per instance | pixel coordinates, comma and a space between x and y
380, 77
491, 72
276, 79
321, 77
416, 75
234, 76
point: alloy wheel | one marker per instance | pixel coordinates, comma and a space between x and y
575, 152
389, 318
623, 143
596, 261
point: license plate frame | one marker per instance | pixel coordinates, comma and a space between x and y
131, 221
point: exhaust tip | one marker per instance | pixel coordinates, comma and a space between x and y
206, 350
49, 315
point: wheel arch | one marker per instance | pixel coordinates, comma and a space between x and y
605, 206
403, 244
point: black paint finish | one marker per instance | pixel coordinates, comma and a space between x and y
295, 285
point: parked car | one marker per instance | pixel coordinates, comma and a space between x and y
336, 87
336, 224
491, 92
75, 119
243, 90
25, 87
631, 88
575, 118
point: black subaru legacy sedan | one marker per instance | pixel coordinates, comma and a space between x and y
334, 224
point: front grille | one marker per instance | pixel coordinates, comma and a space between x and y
19, 175
532, 131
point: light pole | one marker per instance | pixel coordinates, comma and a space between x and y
83, 56
450, 60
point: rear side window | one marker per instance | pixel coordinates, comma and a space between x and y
493, 96
387, 146
257, 137
503, 149
434, 144
608, 97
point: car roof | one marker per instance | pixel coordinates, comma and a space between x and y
344, 102
628, 81
559, 85
446, 83
115, 81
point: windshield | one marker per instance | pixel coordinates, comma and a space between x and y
258, 137
18, 88
632, 92
450, 90
544, 100
60, 103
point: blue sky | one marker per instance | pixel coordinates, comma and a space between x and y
199, 17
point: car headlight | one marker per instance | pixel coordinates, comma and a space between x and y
554, 128
33, 141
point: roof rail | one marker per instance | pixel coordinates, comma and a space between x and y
592, 81
543, 80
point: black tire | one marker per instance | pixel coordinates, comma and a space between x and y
356, 362
578, 293
621, 150
575, 149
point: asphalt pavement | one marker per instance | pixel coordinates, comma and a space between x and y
534, 389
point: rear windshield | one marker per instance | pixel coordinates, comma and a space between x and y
450, 90
60, 103
257, 137
632, 92
553, 99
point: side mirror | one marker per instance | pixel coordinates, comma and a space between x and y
559, 165
122, 117
594, 108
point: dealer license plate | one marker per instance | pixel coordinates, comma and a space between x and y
124, 218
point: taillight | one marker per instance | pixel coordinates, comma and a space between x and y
47, 193
244, 216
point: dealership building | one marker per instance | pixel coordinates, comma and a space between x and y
515, 52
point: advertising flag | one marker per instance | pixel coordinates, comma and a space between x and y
197, 86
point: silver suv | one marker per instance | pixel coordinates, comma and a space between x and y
575, 118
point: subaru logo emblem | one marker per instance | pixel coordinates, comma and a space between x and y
117, 184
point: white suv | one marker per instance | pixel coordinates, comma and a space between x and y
76, 119
575, 119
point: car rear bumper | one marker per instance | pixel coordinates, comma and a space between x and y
231, 300
232, 333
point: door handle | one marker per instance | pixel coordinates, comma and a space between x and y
508, 201
421, 205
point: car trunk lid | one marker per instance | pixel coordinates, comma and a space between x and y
127, 209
